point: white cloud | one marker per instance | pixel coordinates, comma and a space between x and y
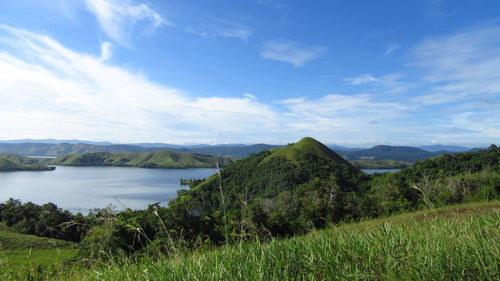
291, 52
106, 51
466, 62
341, 117
390, 49
119, 17
250, 96
51, 91
361, 79
224, 29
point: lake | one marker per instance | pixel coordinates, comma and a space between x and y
79, 189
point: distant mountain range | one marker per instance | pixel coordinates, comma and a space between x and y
53, 148
440, 147
386, 152
158, 159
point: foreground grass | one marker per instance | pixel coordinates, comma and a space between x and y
454, 243
22, 253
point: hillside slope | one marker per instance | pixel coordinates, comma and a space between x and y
160, 159
19, 159
10, 166
276, 184
454, 243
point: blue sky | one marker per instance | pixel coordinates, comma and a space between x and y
354, 73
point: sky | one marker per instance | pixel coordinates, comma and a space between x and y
347, 72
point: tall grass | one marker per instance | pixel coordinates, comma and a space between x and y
461, 243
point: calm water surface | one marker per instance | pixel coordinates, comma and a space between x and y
80, 189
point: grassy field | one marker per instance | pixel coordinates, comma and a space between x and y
21, 253
454, 243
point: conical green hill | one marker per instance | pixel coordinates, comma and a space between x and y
269, 173
305, 146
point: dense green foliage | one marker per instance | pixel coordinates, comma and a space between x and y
459, 243
46, 221
12, 240
159, 159
9, 166
282, 192
270, 192
447, 179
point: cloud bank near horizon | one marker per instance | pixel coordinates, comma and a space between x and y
51, 91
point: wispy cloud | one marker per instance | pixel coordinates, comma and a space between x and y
291, 52
461, 65
389, 83
105, 51
469, 59
390, 49
119, 17
361, 79
224, 29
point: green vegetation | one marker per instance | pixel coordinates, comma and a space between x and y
254, 203
19, 159
11, 240
20, 253
46, 221
9, 166
271, 192
159, 159
380, 164
235, 151
454, 243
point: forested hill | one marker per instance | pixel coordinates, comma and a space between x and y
159, 159
292, 176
